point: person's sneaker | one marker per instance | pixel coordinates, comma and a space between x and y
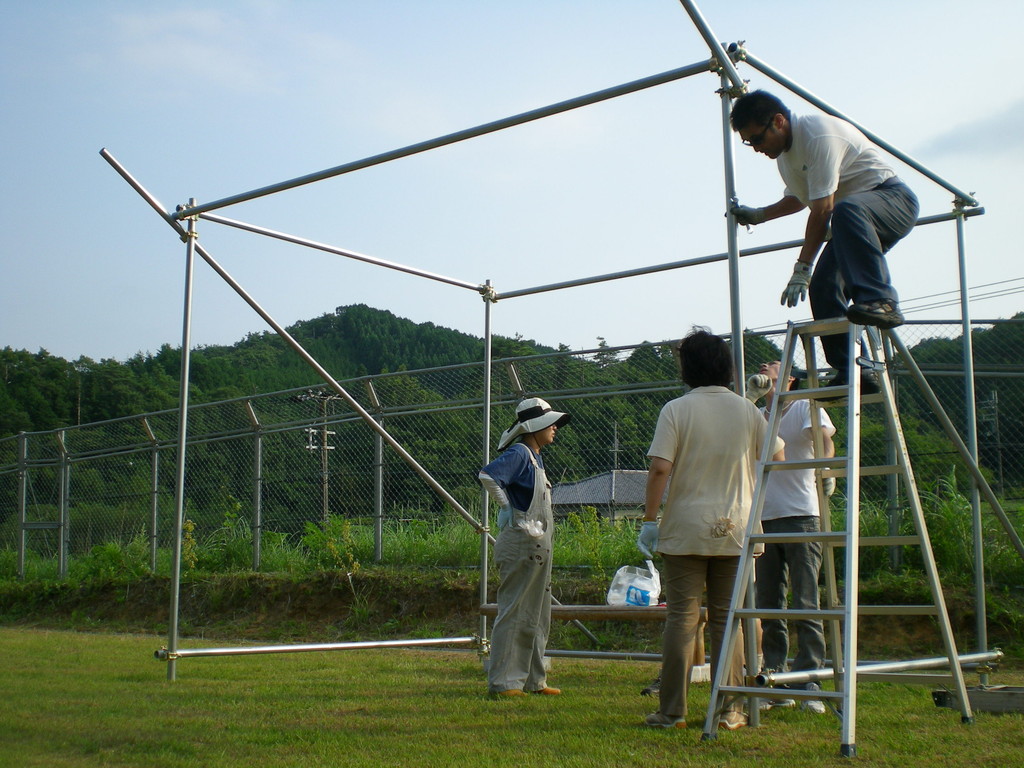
881, 314
658, 720
817, 706
731, 721
509, 693
767, 704
546, 691
653, 689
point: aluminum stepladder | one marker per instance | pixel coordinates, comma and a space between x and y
840, 613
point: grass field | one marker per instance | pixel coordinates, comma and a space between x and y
82, 699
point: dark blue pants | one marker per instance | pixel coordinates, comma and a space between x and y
852, 266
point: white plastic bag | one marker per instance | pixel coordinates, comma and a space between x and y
632, 585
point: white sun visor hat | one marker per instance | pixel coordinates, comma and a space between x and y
532, 415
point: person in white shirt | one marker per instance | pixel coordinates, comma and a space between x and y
791, 505
830, 168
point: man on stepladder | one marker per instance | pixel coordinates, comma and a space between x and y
831, 168
791, 506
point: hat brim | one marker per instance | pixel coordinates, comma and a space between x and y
529, 426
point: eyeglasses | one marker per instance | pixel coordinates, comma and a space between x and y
758, 138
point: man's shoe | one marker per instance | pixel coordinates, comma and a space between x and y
658, 720
881, 314
653, 689
509, 693
767, 704
869, 385
546, 691
731, 721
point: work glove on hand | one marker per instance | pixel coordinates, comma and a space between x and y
829, 485
796, 291
758, 386
746, 215
647, 541
504, 517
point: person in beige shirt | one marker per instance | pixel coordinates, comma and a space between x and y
705, 450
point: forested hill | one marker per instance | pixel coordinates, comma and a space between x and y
39, 391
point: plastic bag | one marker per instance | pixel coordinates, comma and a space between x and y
632, 585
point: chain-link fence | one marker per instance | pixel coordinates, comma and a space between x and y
280, 461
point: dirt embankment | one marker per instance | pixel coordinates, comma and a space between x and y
384, 603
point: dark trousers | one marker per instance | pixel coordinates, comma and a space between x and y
852, 266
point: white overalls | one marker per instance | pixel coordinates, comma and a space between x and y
520, 633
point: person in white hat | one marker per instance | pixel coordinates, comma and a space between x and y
522, 551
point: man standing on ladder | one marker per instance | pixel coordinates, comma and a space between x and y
832, 169
791, 506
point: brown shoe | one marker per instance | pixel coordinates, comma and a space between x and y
510, 692
545, 691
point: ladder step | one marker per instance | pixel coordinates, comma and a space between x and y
835, 539
791, 614
811, 614
834, 467
40, 526
837, 462
827, 326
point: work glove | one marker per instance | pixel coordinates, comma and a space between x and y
829, 485
504, 517
758, 386
746, 215
796, 291
647, 541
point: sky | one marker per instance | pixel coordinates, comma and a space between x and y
210, 100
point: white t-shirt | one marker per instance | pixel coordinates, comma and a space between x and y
713, 438
793, 492
827, 156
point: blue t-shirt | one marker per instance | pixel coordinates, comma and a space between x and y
513, 471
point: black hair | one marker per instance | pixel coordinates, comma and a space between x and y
756, 108
705, 359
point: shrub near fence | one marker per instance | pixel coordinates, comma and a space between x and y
285, 464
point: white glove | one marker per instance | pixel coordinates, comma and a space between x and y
829, 485
758, 386
647, 541
504, 516
796, 291
746, 215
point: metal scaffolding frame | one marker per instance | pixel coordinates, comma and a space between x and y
722, 62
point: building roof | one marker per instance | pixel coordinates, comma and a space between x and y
620, 487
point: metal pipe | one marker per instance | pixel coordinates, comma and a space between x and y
961, 196
971, 418
729, 73
951, 433
782, 246
485, 451
607, 655
290, 341
770, 679
179, 478
340, 251
165, 654
731, 226
452, 138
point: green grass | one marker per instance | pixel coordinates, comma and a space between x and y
75, 699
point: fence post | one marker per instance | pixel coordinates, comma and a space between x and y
22, 499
